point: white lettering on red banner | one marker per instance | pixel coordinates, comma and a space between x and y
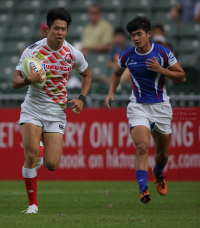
98, 146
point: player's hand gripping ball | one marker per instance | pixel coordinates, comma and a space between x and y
29, 63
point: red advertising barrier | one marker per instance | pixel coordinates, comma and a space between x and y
98, 146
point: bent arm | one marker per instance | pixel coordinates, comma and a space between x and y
125, 76
18, 80
175, 73
115, 79
86, 81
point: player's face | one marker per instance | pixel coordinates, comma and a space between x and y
57, 32
140, 38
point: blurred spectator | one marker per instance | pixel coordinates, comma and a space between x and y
119, 46
98, 35
158, 30
42, 29
197, 12
42, 32
186, 9
160, 38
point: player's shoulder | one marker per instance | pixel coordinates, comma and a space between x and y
165, 53
68, 45
37, 43
30, 49
74, 52
72, 48
128, 52
160, 48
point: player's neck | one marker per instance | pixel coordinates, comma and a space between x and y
53, 45
145, 49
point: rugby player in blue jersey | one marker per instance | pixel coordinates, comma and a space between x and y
149, 110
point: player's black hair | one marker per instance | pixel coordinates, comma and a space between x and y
58, 13
139, 22
119, 31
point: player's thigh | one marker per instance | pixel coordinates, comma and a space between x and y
162, 141
141, 135
53, 143
31, 134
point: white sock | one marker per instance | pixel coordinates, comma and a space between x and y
42, 160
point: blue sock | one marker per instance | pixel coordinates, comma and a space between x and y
158, 170
142, 176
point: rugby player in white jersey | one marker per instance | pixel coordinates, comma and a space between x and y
149, 110
43, 110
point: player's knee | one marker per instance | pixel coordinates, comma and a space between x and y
31, 157
163, 155
142, 149
51, 166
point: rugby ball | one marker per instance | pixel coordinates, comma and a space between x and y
26, 69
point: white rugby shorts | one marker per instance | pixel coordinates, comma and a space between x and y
48, 122
156, 117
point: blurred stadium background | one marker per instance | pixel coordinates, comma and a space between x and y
19, 20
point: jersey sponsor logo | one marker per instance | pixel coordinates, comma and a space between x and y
53, 67
61, 126
68, 59
32, 46
154, 57
132, 63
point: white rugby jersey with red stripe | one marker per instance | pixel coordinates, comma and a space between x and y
58, 64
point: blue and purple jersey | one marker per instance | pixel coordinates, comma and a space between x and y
147, 86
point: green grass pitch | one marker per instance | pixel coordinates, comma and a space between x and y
100, 204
